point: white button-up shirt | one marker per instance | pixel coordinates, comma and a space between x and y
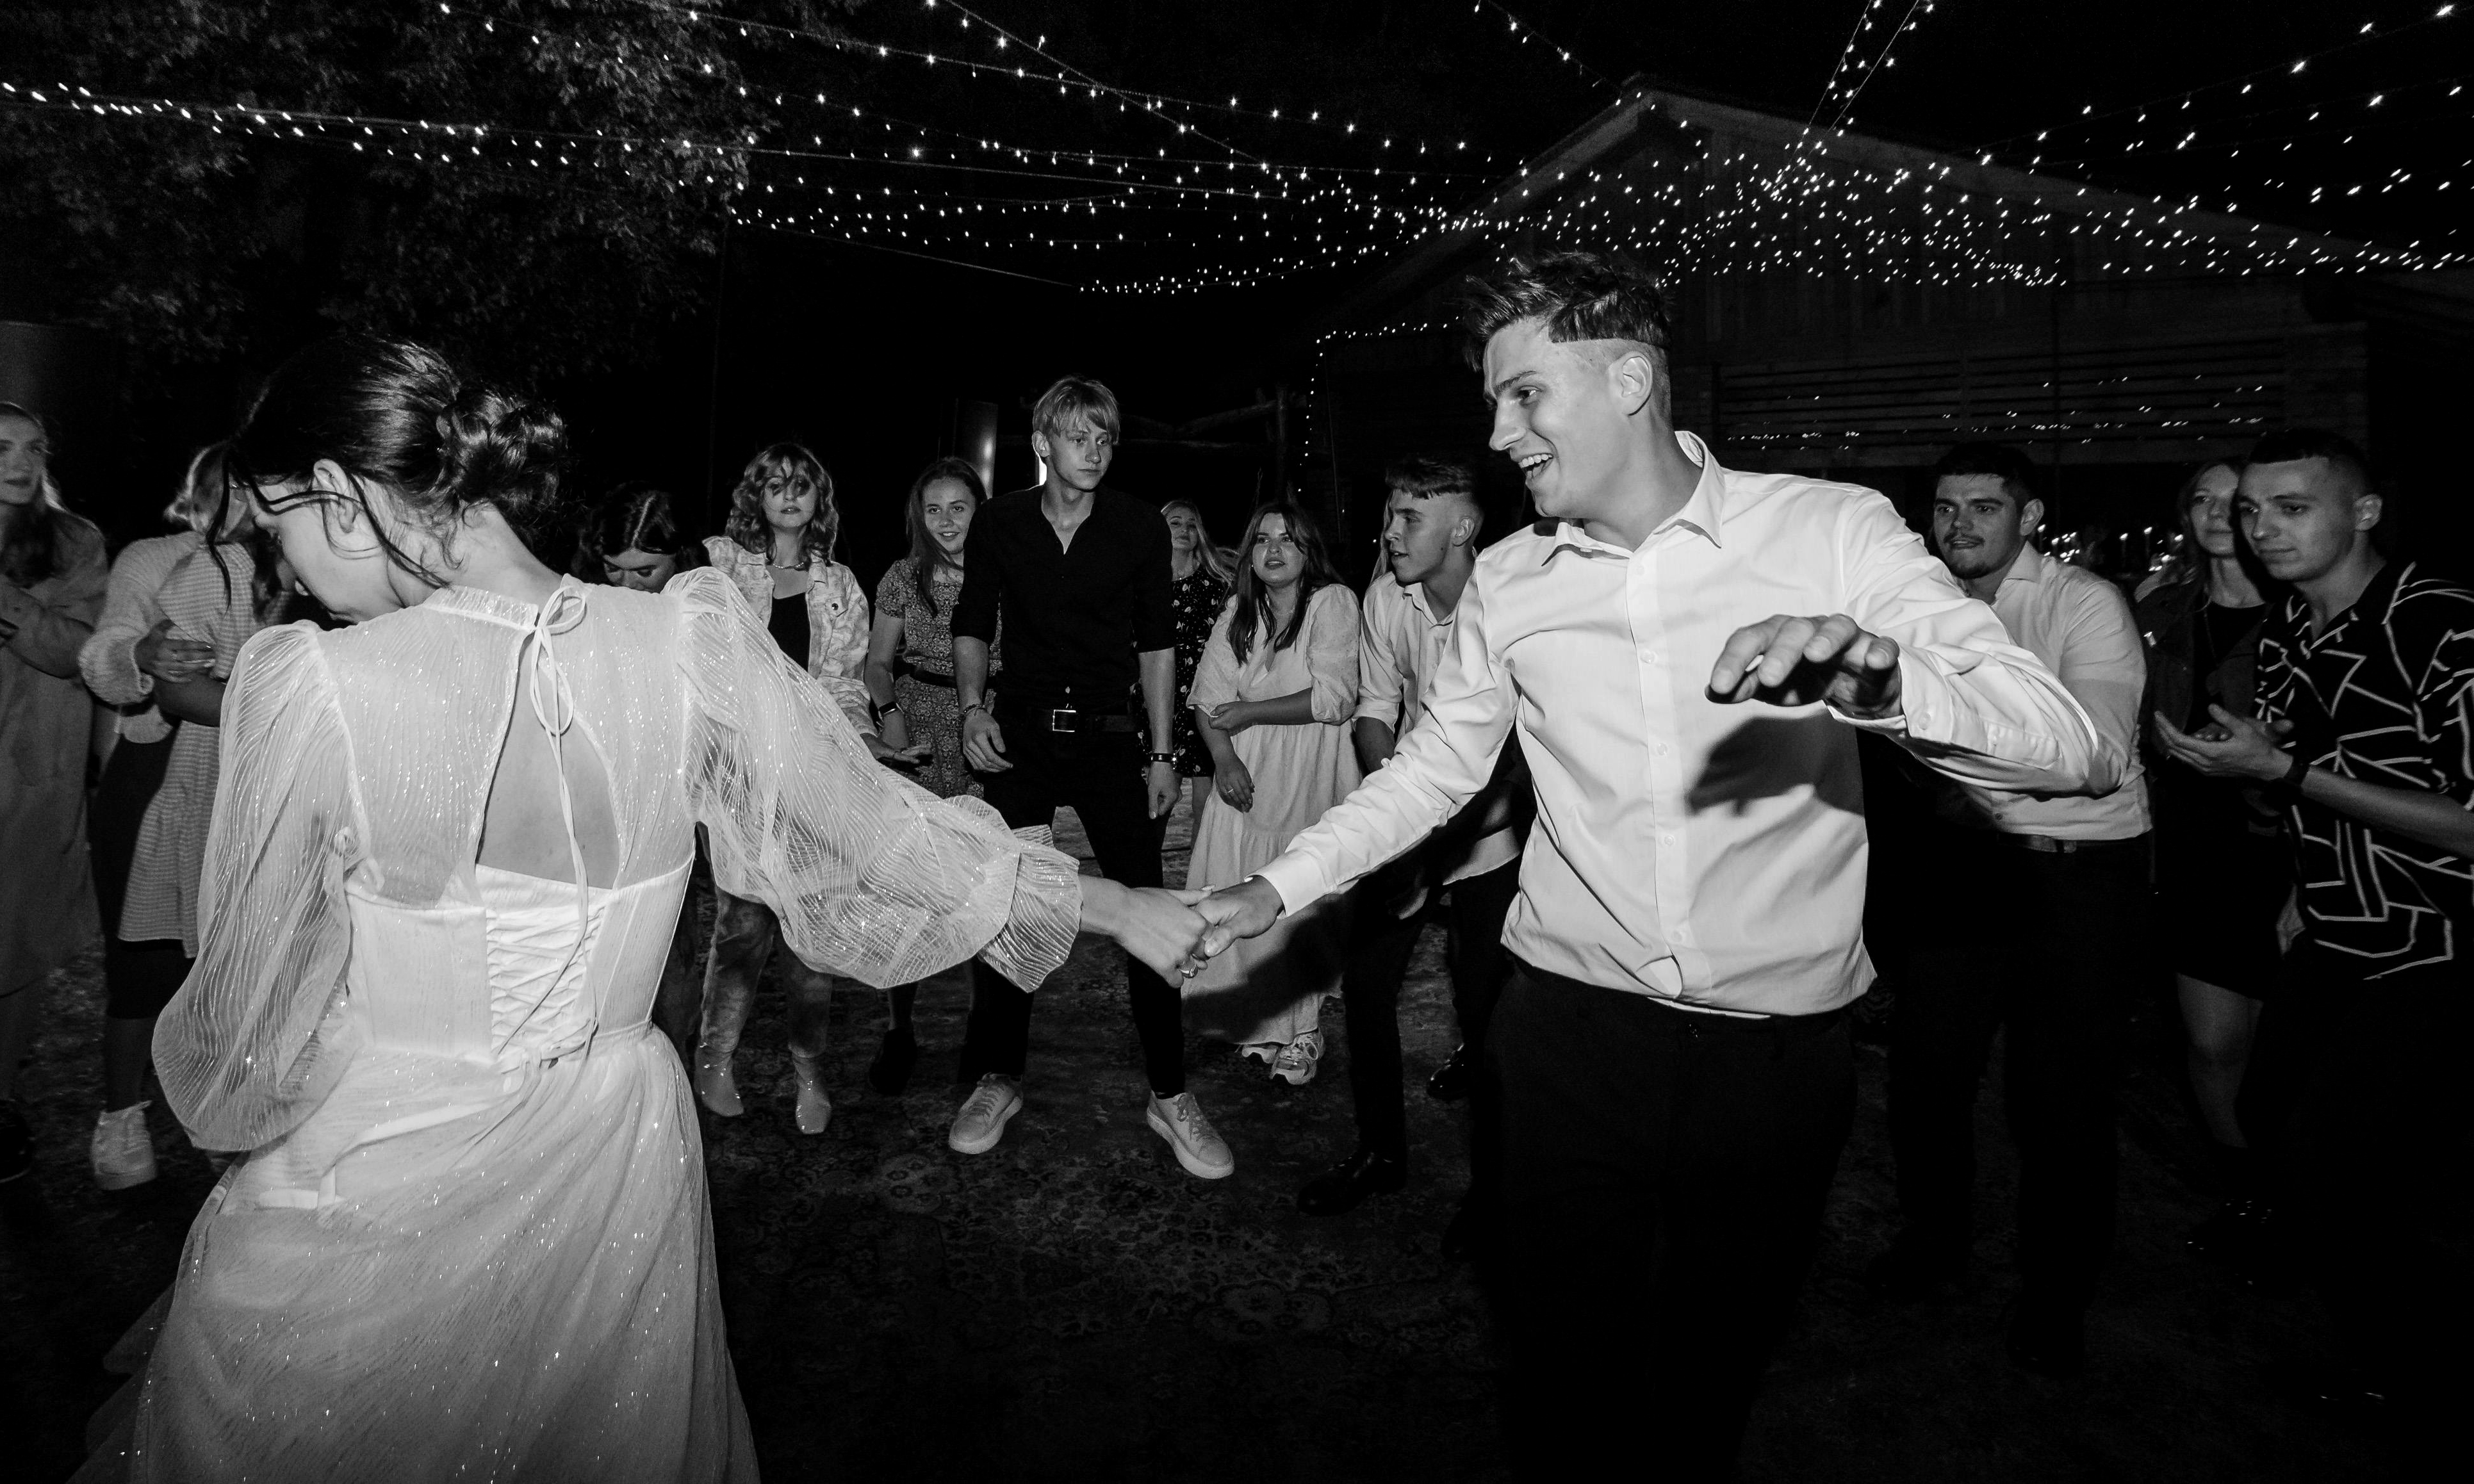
2080, 625
1401, 645
1707, 854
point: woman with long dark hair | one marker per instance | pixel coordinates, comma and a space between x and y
911, 681
1273, 701
2222, 867
470, 1224
166, 651
52, 580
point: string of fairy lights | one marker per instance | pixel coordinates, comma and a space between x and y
827, 162
1854, 69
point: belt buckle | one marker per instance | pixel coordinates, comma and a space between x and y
1062, 719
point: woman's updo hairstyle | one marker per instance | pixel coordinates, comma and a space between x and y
392, 413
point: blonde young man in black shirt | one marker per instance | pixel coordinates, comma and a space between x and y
1081, 574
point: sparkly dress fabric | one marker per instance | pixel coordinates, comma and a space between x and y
469, 1237
1268, 990
1196, 599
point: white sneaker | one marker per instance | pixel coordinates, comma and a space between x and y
813, 1109
123, 1151
1295, 1063
984, 1114
1196, 1145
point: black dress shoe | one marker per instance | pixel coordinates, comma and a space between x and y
1341, 1187
1451, 1080
1914, 1268
2047, 1336
890, 1072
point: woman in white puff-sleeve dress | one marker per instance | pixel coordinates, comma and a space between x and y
468, 1237
1275, 720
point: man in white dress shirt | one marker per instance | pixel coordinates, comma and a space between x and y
1683, 651
2054, 932
1433, 524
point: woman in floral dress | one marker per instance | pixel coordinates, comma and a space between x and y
911, 681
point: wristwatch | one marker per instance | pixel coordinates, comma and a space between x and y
2287, 789
1159, 757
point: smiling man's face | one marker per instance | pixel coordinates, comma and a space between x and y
1561, 414
1979, 524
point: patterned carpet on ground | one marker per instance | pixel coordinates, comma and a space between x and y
1072, 1306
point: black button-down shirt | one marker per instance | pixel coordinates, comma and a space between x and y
2385, 696
1074, 616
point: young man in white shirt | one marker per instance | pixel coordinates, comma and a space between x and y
1432, 522
2053, 933
1683, 650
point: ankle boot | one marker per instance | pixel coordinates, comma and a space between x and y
813, 1109
715, 1088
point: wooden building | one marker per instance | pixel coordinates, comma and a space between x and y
1850, 306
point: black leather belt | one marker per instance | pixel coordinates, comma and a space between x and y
1067, 719
928, 677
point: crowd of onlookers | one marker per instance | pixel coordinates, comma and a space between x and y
2284, 720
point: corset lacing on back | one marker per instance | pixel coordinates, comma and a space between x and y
554, 706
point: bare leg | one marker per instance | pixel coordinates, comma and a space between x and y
900, 1000
128, 1050
2221, 1024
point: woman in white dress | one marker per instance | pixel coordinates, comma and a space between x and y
469, 1238
1272, 701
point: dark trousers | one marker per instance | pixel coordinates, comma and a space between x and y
1663, 1174
1100, 776
2361, 1113
2045, 946
1380, 942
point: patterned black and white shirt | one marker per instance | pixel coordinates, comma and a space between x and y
2385, 696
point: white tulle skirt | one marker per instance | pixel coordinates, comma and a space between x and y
526, 1293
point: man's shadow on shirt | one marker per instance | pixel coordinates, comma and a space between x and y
1766, 755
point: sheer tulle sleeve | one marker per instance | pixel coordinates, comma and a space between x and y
871, 875
254, 1039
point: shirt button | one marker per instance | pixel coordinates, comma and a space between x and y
1658, 749
1650, 657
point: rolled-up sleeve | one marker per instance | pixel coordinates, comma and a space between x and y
1974, 706
1379, 681
1441, 764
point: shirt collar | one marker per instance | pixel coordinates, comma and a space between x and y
2029, 566
1704, 514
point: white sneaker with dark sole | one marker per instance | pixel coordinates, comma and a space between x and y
984, 1114
1196, 1145
123, 1151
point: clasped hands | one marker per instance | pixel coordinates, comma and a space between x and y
171, 658
1176, 933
